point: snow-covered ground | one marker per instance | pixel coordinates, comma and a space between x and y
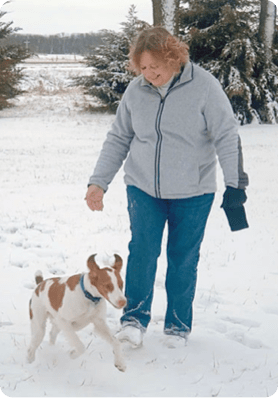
48, 147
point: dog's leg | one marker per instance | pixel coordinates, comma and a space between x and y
37, 333
53, 333
103, 330
72, 338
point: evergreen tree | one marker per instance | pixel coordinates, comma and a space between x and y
223, 39
10, 57
110, 78
275, 48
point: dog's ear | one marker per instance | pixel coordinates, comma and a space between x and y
91, 264
118, 263
93, 268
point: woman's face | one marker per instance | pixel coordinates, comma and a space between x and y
155, 71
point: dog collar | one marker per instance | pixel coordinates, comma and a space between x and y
87, 294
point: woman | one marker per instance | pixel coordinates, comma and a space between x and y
173, 120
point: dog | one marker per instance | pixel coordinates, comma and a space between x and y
71, 303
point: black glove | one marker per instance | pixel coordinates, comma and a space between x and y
233, 200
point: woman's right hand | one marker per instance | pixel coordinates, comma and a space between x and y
94, 198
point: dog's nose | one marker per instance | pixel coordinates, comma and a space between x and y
121, 303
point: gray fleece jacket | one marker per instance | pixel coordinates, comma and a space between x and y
172, 143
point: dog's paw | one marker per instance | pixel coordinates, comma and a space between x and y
75, 353
30, 356
121, 366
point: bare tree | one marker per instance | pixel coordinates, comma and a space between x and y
166, 14
267, 26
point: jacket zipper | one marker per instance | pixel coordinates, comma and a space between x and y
159, 141
158, 148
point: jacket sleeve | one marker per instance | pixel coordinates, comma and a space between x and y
223, 130
115, 148
243, 179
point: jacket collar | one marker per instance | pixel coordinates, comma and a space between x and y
185, 76
87, 294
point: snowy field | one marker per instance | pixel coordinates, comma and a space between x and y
48, 147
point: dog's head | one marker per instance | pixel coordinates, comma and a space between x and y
108, 280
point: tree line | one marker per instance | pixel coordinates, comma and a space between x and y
77, 43
224, 38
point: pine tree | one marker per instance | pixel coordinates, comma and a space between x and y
223, 39
10, 57
110, 77
275, 48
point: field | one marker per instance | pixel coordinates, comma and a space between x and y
48, 148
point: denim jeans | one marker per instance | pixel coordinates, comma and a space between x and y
186, 219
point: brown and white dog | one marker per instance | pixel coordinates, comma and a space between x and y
73, 302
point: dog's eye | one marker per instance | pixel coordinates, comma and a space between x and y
109, 287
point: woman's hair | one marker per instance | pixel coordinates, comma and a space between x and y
162, 45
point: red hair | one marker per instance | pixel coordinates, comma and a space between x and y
162, 45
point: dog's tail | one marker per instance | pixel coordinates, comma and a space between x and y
38, 277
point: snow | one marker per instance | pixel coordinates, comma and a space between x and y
48, 149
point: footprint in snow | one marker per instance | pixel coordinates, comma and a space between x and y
241, 338
239, 335
5, 324
271, 310
249, 323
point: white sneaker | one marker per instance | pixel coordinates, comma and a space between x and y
132, 335
172, 341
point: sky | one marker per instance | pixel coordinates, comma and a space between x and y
47, 17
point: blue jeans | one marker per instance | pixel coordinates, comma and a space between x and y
186, 225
